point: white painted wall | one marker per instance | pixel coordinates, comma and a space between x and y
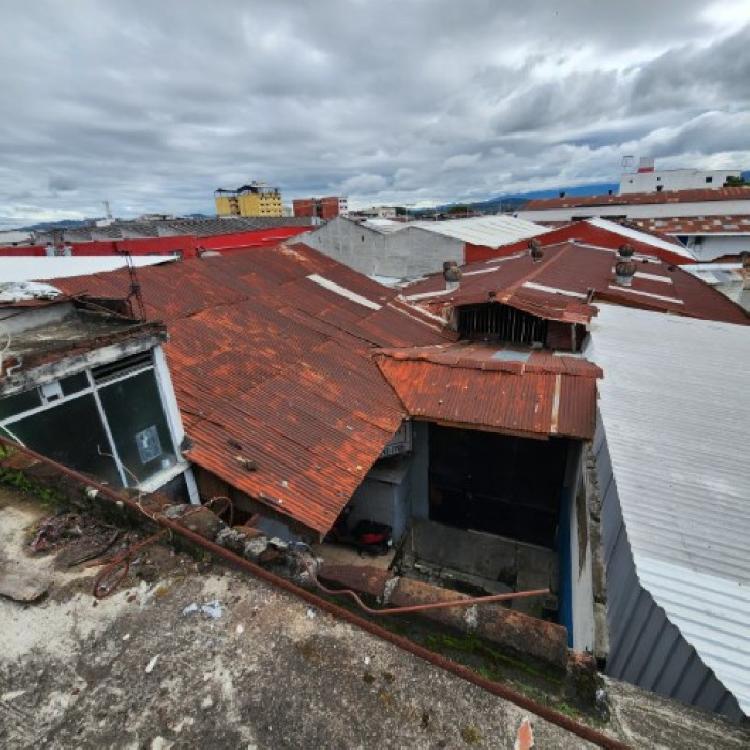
675, 179
708, 247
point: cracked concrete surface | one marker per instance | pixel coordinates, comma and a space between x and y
134, 671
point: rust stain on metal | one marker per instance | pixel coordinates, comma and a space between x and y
462, 385
567, 272
264, 358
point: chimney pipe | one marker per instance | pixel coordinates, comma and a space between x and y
451, 274
535, 250
625, 267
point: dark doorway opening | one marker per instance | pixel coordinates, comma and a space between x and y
498, 484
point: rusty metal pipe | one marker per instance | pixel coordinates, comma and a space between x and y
501, 691
468, 602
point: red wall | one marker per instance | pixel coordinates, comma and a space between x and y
579, 230
188, 244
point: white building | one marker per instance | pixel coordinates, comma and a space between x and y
649, 180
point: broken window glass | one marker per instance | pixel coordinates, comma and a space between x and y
136, 419
72, 434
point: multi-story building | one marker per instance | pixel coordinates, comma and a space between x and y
255, 199
323, 208
650, 180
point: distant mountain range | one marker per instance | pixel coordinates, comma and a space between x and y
508, 203
512, 201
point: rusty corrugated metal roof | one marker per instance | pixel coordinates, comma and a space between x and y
667, 196
557, 287
698, 225
528, 393
270, 366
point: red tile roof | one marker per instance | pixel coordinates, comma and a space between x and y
667, 196
677, 225
466, 385
270, 366
556, 288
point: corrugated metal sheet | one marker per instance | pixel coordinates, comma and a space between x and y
488, 231
675, 412
270, 366
554, 288
688, 225
541, 396
641, 237
667, 196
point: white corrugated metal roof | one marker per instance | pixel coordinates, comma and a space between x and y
384, 226
636, 234
28, 267
675, 404
490, 231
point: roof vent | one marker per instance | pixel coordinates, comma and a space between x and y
625, 267
535, 250
451, 274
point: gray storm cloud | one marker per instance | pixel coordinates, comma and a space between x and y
153, 105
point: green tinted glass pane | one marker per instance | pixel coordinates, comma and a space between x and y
136, 418
73, 435
20, 402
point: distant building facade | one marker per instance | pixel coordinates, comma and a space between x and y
404, 250
650, 180
254, 199
323, 208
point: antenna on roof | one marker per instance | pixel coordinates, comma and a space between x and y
135, 287
107, 209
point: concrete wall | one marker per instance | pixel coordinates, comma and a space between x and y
350, 243
641, 211
646, 649
394, 494
404, 253
414, 252
708, 247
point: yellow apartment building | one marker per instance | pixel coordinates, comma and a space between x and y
255, 199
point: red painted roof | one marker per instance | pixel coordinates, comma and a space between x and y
270, 366
696, 225
556, 288
607, 234
666, 196
466, 385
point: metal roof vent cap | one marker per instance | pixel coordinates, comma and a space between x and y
535, 250
451, 274
625, 267
625, 251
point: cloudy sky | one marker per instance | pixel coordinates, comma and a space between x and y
152, 105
